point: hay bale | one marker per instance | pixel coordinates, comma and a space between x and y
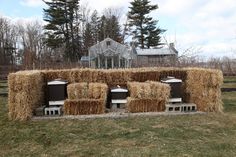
145, 105
203, 89
147, 96
117, 77
149, 90
77, 90
84, 107
25, 94
97, 91
86, 90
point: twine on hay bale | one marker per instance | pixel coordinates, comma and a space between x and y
25, 94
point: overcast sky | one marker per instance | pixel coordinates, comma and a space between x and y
208, 25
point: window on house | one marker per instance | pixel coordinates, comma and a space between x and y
108, 43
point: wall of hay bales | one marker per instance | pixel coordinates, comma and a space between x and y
200, 86
26, 92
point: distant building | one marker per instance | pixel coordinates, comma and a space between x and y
109, 54
156, 57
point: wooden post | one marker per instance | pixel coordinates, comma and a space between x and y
112, 62
119, 61
106, 62
99, 66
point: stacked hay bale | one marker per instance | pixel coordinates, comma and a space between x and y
203, 89
147, 96
26, 92
85, 98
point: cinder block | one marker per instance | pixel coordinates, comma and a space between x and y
173, 108
53, 111
189, 107
181, 107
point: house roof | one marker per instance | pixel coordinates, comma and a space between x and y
150, 52
113, 48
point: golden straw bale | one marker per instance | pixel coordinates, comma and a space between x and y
84, 106
94, 91
145, 105
77, 90
148, 90
203, 88
86, 90
75, 75
25, 94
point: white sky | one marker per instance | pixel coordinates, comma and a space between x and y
206, 24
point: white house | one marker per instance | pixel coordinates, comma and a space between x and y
109, 54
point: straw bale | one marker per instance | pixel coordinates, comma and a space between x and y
149, 90
203, 88
86, 90
84, 106
86, 75
25, 94
145, 105
77, 90
117, 77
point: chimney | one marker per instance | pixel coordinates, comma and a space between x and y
172, 45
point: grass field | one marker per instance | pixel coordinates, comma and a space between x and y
189, 135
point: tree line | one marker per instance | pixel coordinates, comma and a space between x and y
70, 29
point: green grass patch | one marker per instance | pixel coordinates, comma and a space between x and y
229, 79
229, 85
3, 87
189, 135
229, 99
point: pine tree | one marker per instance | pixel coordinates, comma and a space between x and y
109, 27
153, 38
62, 28
88, 39
145, 29
102, 28
95, 26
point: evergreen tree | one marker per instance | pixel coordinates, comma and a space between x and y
62, 28
109, 27
153, 38
145, 29
88, 39
102, 28
95, 26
